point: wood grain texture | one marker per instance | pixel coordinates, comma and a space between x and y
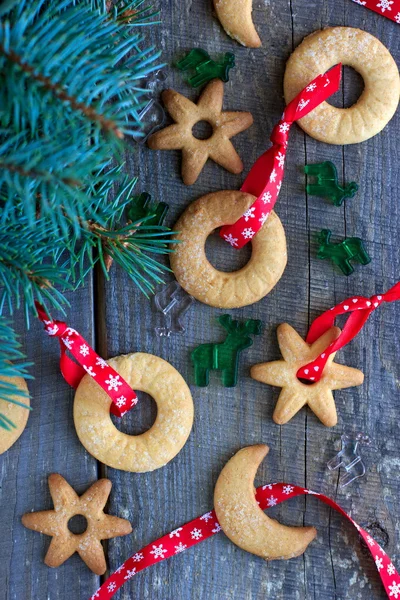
335, 565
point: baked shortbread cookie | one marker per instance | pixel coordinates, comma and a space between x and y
157, 446
196, 152
243, 521
196, 274
17, 414
235, 17
378, 102
295, 394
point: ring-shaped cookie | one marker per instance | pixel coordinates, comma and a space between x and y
378, 102
196, 274
157, 446
17, 414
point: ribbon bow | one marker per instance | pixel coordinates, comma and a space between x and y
360, 309
122, 396
265, 178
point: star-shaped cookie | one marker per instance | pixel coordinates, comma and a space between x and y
67, 504
295, 394
195, 152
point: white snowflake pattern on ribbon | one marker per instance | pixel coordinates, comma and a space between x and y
263, 218
180, 548
137, 557
230, 239
273, 175
121, 401
397, 18
84, 350
266, 198
196, 534
302, 104
68, 342
95, 595
278, 186
217, 528
284, 127
272, 501
391, 569
311, 87
111, 586
281, 159
394, 590
249, 214
52, 330
385, 5
158, 551
100, 362
89, 371
370, 540
379, 562
248, 233
121, 568
176, 532
130, 573
206, 517
268, 486
287, 489
113, 382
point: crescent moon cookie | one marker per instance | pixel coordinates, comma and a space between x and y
157, 446
295, 394
199, 278
17, 414
370, 58
195, 152
243, 521
235, 17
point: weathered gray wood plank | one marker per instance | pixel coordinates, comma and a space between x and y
48, 445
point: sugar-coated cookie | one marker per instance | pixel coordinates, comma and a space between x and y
378, 102
195, 152
17, 414
295, 394
68, 504
196, 274
157, 446
235, 17
243, 521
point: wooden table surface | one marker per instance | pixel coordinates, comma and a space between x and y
117, 319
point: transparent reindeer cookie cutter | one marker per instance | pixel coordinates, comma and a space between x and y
349, 459
172, 302
152, 115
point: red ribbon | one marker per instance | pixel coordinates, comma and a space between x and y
122, 396
265, 178
388, 8
207, 525
360, 309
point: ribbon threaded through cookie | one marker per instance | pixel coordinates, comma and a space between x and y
360, 309
265, 178
207, 525
388, 8
122, 395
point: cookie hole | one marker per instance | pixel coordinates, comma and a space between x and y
225, 258
351, 88
140, 418
202, 130
306, 381
77, 524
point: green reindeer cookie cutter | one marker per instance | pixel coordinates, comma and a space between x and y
327, 185
224, 356
341, 253
205, 67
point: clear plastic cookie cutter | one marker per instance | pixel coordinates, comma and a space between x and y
349, 458
172, 302
152, 115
